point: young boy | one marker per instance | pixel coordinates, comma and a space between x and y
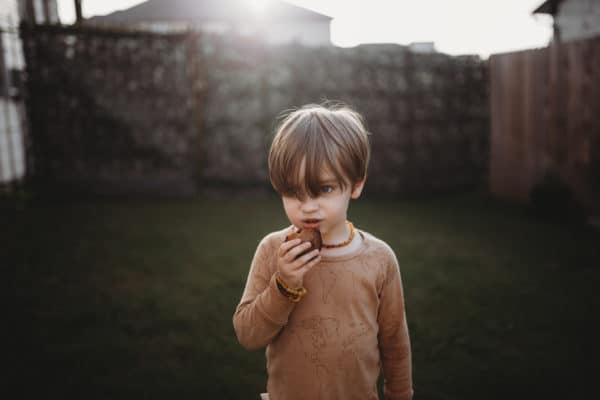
330, 319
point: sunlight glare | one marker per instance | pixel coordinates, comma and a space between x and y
258, 6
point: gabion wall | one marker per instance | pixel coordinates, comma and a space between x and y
110, 112
120, 112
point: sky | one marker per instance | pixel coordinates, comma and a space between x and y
456, 27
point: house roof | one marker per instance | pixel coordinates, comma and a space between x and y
204, 10
548, 7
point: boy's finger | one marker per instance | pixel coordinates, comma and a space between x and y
302, 261
296, 251
285, 246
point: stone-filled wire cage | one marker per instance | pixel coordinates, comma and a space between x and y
124, 112
110, 111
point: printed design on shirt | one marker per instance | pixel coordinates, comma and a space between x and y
328, 280
323, 333
357, 330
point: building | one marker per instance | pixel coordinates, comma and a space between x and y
277, 23
573, 19
39, 11
12, 66
422, 47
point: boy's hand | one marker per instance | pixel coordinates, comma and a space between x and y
292, 268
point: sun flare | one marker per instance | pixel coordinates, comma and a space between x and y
258, 6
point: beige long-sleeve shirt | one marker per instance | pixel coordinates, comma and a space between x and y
334, 342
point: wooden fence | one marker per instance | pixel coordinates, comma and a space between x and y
545, 106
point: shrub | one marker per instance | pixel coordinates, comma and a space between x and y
553, 198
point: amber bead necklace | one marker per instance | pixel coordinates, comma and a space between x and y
345, 243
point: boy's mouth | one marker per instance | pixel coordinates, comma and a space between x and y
311, 223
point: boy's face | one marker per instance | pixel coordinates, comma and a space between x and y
326, 212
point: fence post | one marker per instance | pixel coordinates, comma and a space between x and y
78, 13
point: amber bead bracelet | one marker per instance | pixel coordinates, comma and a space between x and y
293, 295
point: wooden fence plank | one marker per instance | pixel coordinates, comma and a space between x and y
544, 106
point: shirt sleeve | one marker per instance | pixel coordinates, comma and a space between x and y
394, 341
262, 310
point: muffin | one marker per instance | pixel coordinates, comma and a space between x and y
307, 235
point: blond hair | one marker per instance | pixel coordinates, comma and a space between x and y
332, 137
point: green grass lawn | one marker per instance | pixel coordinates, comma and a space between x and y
134, 299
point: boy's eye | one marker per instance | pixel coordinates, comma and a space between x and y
326, 189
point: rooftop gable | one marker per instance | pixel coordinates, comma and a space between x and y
548, 7
205, 10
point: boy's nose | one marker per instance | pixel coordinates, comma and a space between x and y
309, 204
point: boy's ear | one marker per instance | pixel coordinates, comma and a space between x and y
357, 189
